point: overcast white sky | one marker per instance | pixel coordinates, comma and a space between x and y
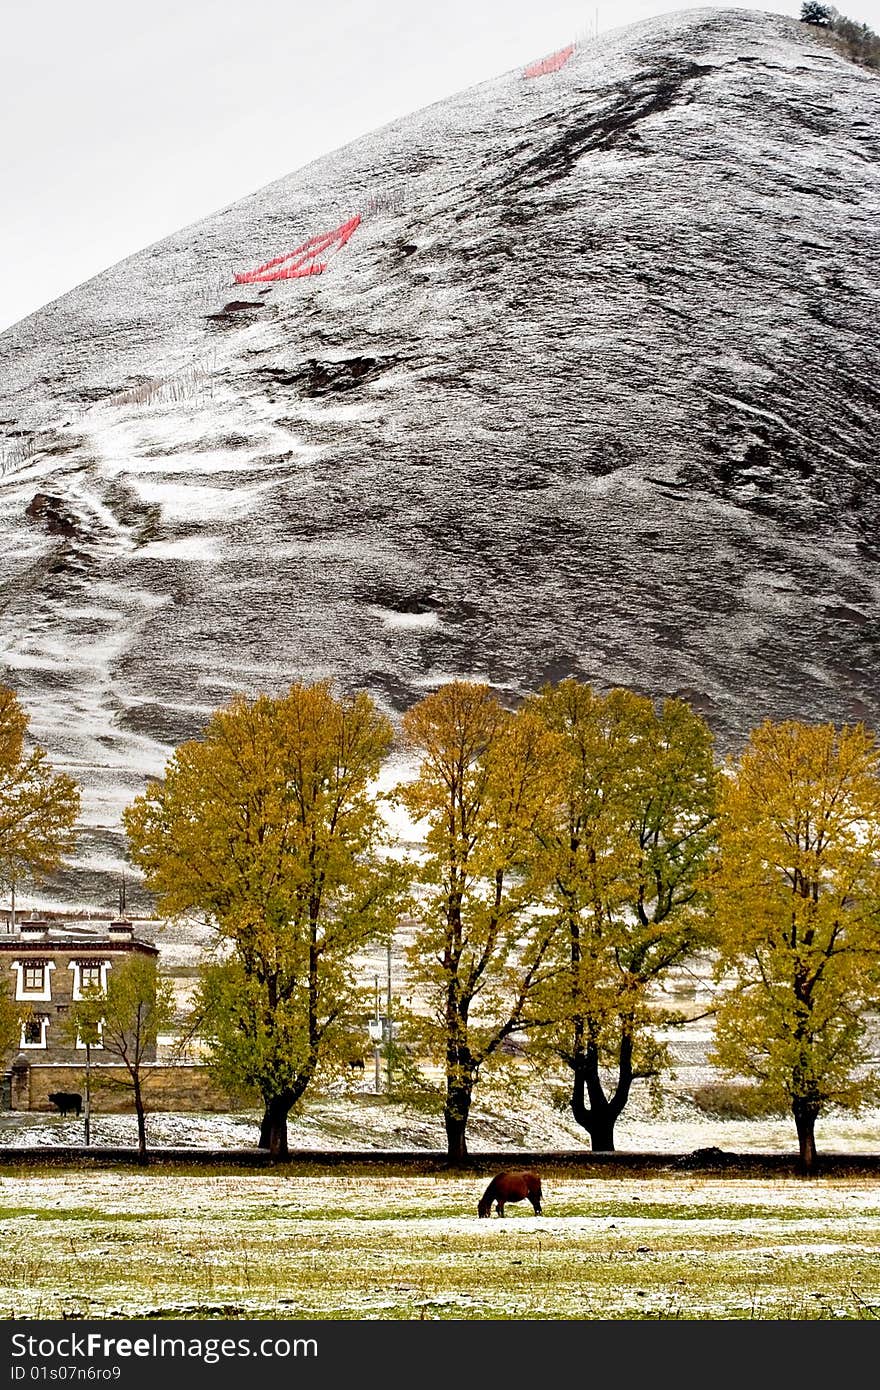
122, 123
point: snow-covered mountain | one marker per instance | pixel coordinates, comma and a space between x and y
588, 384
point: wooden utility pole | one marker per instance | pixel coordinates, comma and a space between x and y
390, 1028
376, 1037
87, 1106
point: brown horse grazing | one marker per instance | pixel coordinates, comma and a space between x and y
510, 1187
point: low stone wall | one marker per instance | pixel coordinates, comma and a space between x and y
184, 1087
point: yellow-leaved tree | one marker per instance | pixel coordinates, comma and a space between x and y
38, 806
268, 825
623, 860
484, 785
797, 908
10, 1022
125, 1021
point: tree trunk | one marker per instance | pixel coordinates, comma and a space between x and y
141, 1121
599, 1123
597, 1118
273, 1130
455, 1118
600, 1116
805, 1115
263, 1141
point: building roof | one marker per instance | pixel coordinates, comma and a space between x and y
75, 936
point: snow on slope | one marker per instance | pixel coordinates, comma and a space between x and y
591, 389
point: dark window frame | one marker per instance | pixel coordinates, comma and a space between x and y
33, 1030
90, 976
37, 970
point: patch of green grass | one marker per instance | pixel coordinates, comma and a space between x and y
680, 1211
68, 1214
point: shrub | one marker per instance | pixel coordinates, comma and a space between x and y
733, 1101
857, 41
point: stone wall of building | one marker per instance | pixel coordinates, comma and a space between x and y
181, 1087
62, 958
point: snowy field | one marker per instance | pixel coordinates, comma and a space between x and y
362, 1121
190, 1243
248, 1246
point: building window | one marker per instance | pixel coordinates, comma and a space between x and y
33, 979
95, 1041
88, 976
33, 1031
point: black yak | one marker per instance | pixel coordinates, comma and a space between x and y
67, 1101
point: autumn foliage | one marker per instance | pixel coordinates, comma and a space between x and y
266, 827
483, 788
570, 853
38, 806
796, 898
